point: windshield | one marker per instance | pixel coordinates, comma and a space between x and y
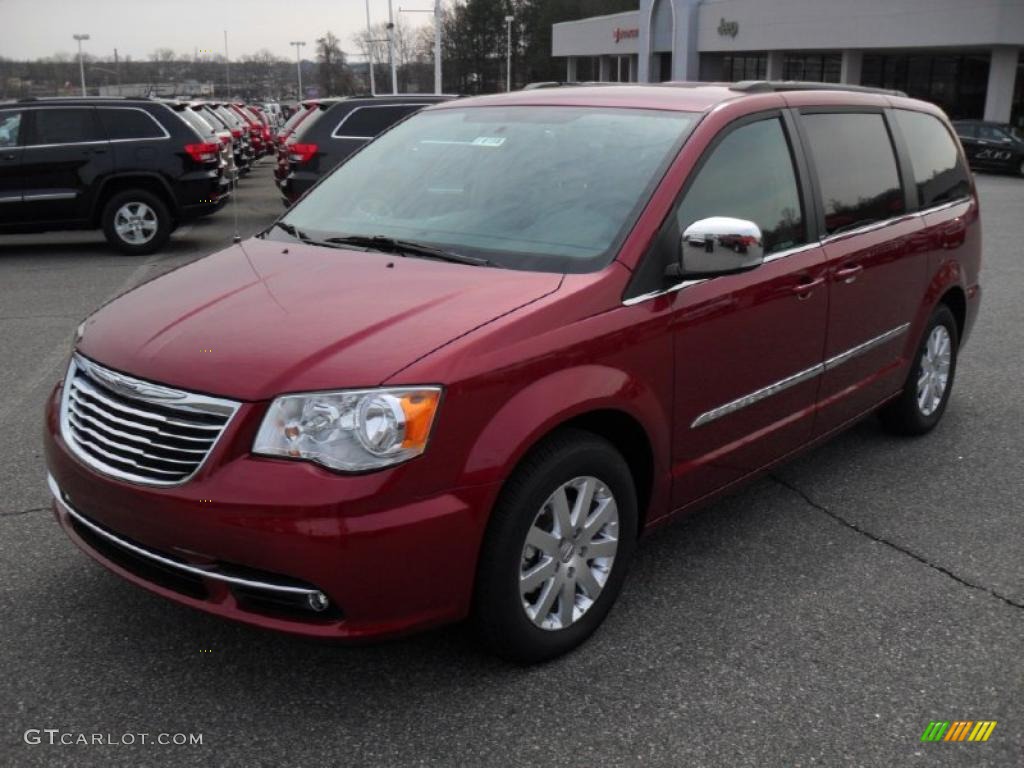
541, 188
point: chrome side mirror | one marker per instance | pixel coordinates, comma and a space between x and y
720, 245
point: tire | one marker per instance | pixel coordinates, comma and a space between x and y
917, 410
566, 464
152, 210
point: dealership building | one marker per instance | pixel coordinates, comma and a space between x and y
964, 55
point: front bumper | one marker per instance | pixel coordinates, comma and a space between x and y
254, 539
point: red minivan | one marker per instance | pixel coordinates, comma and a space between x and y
463, 374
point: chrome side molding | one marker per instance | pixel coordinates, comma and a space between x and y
797, 378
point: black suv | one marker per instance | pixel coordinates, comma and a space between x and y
136, 168
336, 129
992, 146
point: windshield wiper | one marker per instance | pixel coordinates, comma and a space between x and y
298, 234
405, 248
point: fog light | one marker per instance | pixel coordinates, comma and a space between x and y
318, 601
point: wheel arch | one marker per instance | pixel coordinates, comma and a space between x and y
151, 182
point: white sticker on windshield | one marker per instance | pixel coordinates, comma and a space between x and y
489, 141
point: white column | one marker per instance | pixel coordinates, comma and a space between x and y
850, 68
644, 57
570, 69
1002, 73
685, 56
774, 67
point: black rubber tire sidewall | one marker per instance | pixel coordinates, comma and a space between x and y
903, 415
164, 226
498, 612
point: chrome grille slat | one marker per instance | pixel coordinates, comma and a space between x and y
77, 399
138, 430
86, 388
77, 410
110, 444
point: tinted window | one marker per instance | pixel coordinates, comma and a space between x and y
967, 130
938, 173
10, 128
993, 133
129, 124
296, 118
367, 122
66, 126
196, 121
750, 175
213, 118
856, 169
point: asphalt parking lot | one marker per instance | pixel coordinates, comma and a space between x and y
821, 616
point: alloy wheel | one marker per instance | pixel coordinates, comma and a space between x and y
934, 370
569, 553
136, 223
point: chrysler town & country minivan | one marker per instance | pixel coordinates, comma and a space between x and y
465, 373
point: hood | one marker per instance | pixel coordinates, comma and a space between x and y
265, 317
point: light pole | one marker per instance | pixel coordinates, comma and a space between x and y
81, 65
391, 47
298, 62
369, 48
227, 67
508, 51
437, 39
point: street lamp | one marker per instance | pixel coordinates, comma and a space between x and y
391, 47
369, 49
81, 66
298, 62
508, 49
437, 39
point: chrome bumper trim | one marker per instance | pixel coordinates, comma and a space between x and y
166, 561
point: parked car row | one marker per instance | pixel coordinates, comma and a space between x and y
323, 133
136, 168
992, 146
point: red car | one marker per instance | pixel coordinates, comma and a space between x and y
468, 369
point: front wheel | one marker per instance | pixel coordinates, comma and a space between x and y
557, 548
926, 393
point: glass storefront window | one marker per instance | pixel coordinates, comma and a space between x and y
956, 82
812, 67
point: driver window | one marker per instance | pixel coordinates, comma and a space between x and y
750, 175
10, 122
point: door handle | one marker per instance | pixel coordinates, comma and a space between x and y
806, 286
848, 273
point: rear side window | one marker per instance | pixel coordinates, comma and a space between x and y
750, 175
196, 121
10, 128
857, 171
296, 118
967, 131
367, 122
938, 172
127, 124
66, 126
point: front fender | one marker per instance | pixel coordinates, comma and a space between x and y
543, 405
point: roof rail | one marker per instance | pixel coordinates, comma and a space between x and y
778, 86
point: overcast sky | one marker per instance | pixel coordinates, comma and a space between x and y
33, 28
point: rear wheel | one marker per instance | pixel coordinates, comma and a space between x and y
557, 548
926, 393
136, 222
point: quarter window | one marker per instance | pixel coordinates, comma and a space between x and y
856, 166
66, 126
10, 128
367, 122
123, 124
938, 172
750, 175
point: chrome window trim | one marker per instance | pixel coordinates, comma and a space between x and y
797, 378
336, 135
11, 199
63, 503
165, 136
144, 391
799, 249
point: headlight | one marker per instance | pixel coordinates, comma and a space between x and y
354, 430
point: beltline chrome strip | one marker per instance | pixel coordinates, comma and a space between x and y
759, 395
797, 378
860, 349
166, 561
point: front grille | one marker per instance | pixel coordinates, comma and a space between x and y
137, 430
